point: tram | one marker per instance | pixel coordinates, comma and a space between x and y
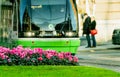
46, 24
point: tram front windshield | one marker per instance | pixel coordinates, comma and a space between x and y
47, 18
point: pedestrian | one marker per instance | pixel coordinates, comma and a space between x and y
93, 27
86, 29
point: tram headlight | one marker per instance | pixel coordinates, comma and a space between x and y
54, 33
69, 34
29, 34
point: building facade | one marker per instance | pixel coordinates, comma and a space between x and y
107, 16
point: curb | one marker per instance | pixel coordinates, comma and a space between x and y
104, 47
101, 62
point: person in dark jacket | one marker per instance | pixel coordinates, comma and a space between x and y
92, 27
86, 29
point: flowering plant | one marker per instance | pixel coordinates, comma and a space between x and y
37, 56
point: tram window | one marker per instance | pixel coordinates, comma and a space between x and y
48, 19
64, 26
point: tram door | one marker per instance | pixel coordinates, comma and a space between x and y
6, 25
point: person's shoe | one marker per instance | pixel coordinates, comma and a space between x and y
93, 46
87, 47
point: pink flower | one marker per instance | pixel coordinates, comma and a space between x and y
60, 56
38, 50
48, 55
75, 59
70, 58
40, 58
22, 55
2, 56
67, 53
13, 52
30, 52
4, 50
20, 47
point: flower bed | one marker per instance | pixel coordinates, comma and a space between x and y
37, 56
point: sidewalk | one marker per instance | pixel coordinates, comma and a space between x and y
107, 45
104, 56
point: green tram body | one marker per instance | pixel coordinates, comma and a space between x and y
60, 45
41, 16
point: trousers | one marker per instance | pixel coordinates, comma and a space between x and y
88, 40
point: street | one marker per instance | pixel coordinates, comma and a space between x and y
108, 58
